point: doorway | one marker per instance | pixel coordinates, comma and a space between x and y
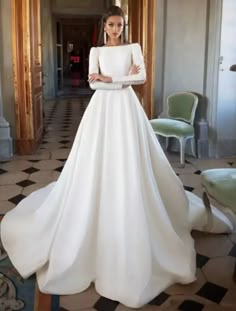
74, 38
221, 79
226, 107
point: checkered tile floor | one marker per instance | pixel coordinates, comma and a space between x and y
213, 290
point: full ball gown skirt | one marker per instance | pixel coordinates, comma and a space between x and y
118, 215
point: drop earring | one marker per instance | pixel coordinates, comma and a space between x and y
105, 37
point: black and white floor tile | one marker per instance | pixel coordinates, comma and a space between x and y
214, 288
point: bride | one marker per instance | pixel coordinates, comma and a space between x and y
118, 215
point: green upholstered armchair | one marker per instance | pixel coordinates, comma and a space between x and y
181, 108
220, 184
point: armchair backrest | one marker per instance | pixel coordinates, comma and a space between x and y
182, 106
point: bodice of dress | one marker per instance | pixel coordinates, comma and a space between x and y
115, 61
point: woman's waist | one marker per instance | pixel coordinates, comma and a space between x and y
123, 88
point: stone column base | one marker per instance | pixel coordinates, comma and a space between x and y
6, 150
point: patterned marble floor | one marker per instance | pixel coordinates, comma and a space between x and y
216, 254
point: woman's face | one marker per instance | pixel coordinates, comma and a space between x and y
114, 26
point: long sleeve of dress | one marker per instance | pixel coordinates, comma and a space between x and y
137, 59
118, 81
94, 68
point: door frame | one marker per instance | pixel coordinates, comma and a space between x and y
212, 70
142, 29
28, 130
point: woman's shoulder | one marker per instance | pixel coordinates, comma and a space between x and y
128, 44
93, 51
134, 47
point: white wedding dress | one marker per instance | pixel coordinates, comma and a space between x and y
118, 215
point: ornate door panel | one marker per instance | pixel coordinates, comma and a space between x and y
27, 74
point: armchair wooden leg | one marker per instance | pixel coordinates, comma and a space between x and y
182, 151
193, 147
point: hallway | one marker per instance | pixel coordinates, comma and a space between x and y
214, 289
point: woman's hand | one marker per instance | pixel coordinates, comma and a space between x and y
134, 69
98, 77
93, 77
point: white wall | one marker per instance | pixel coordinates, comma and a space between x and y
185, 43
187, 53
181, 36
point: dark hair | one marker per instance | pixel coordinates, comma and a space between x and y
112, 11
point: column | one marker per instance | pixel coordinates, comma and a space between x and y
5, 138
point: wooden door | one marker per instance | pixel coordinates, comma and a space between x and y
142, 25
27, 61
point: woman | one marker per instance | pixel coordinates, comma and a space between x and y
118, 215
